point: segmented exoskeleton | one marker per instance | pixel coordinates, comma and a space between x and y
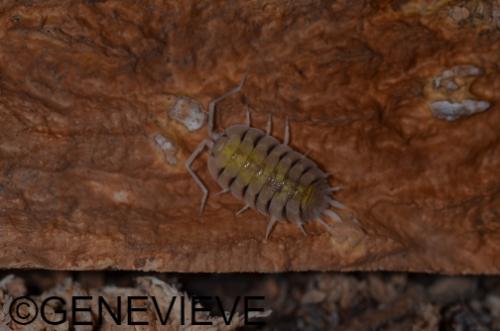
267, 175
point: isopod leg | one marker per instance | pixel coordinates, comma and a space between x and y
301, 227
335, 204
286, 139
239, 212
213, 103
327, 226
222, 191
269, 124
270, 226
333, 215
198, 181
248, 120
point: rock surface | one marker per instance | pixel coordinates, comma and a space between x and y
86, 86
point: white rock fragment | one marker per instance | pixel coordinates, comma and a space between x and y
451, 111
457, 71
188, 112
451, 86
167, 146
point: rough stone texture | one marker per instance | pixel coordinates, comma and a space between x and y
162, 310
302, 301
85, 86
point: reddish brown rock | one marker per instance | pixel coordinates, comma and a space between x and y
87, 86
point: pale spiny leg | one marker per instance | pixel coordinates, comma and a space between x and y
213, 103
327, 226
196, 152
335, 204
222, 192
270, 226
239, 212
269, 124
335, 189
286, 140
301, 227
333, 215
248, 120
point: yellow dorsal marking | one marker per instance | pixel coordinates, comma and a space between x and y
251, 168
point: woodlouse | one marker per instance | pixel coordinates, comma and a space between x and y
267, 175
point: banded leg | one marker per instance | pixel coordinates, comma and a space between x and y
189, 161
213, 103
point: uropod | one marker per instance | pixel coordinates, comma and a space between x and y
265, 174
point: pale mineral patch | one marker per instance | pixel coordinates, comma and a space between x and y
120, 196
452, 111
189, 113
167, 146
456, 71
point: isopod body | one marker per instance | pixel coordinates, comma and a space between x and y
267, 175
